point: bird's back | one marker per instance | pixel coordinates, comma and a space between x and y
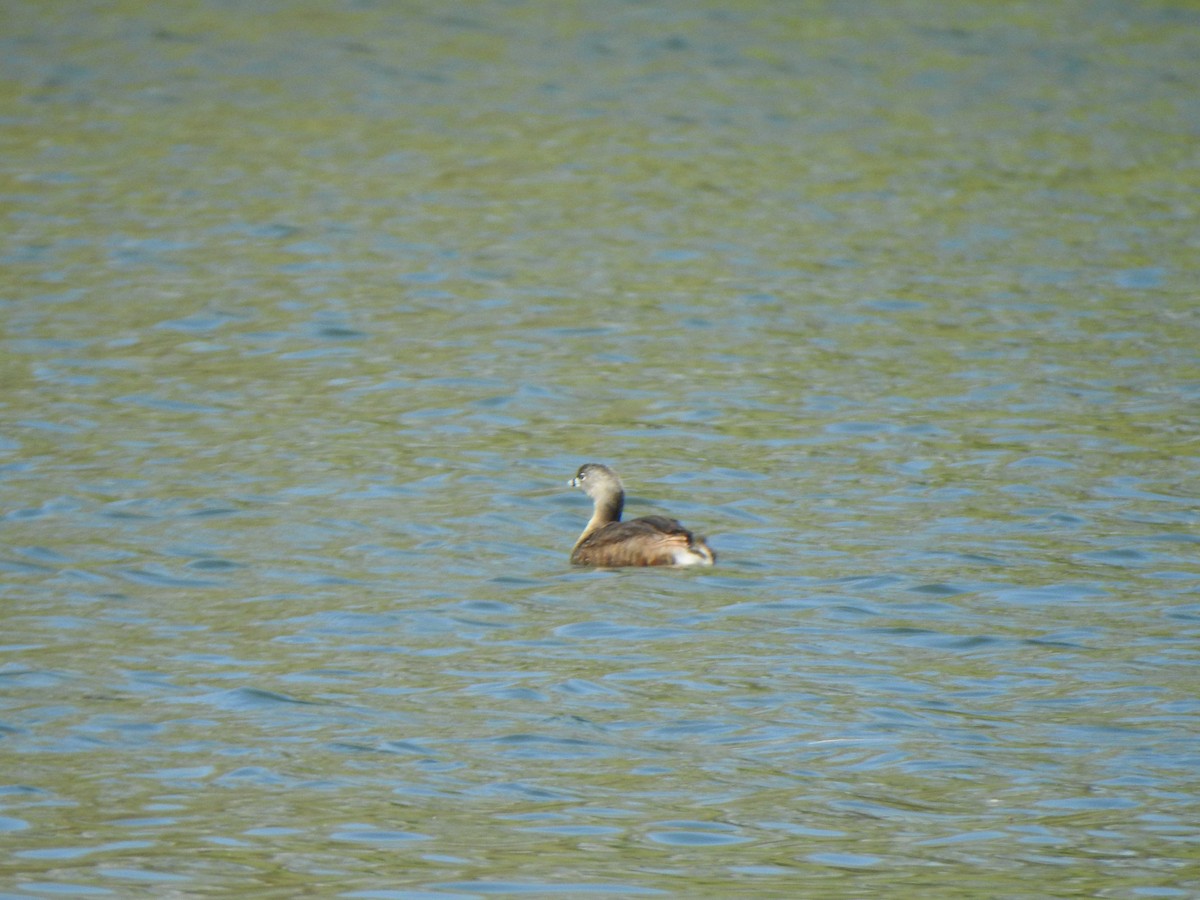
647, 541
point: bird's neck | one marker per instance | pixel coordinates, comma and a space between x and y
607, 510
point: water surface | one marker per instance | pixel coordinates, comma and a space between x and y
309, 312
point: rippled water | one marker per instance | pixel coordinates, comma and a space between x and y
310, 311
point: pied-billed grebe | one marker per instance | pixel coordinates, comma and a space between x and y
648, 541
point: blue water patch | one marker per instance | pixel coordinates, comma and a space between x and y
365, 834
556, 888
1140, 279
67, 889
612, 631
695, 838
845, 860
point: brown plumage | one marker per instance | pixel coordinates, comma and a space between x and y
648, 541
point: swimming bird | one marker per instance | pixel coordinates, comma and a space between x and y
647, 541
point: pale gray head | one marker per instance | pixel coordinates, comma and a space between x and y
596, 481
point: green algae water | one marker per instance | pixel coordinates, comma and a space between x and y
309, 311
